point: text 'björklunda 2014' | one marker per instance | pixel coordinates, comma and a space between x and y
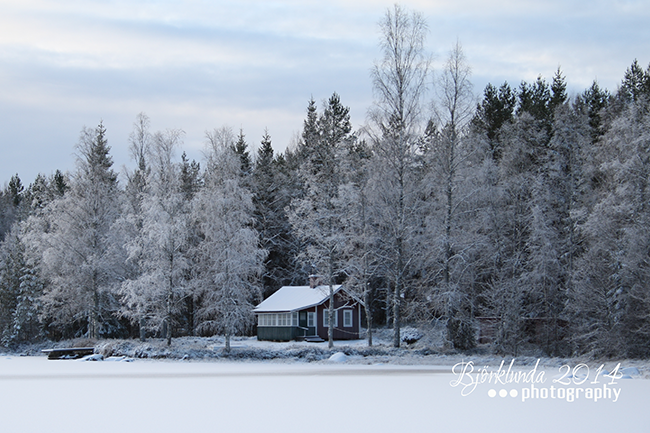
570, 385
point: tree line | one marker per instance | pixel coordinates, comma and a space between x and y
524, 209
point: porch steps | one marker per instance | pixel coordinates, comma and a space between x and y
313, 339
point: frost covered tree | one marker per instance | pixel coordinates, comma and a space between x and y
272, 194
230, 260
25, 321
22, 252
241, 149
494, 111
77, 258
11, 209
448, 154
399, 83
507, 221
12, 263
316, 217
635, 88
592, 103
157, 294
191, 183
129, 226
361, 244
310, 136
610, 304
555, 243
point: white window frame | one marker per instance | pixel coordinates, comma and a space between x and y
326, 315
311, 319
348, 318
284, 320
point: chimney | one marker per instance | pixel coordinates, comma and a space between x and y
314, 281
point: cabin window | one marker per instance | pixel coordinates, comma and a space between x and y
347, 318
266, 320
311, 319
326, 316
277, 319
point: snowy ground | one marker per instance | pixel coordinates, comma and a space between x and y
342, 394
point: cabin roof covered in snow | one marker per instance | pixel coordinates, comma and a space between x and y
294, 298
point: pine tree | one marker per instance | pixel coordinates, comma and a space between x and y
191, 183
59, 184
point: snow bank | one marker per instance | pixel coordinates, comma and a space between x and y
338, 357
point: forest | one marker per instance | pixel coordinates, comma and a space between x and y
524, 208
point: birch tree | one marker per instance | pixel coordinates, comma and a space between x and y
230, 259
157, 293
399, 84
129, 226
449, 155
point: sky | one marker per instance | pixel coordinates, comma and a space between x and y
197, 65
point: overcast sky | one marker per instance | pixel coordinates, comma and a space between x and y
199, 64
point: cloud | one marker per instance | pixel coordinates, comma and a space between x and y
198, 64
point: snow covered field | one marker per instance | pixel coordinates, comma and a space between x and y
179, 396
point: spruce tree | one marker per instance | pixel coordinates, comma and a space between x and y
315, 217
558, 92
241, 149
495, 110
77, 260
593, 103
12, 264
636, 84
26, 325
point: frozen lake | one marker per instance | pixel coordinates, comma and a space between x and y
159, 396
